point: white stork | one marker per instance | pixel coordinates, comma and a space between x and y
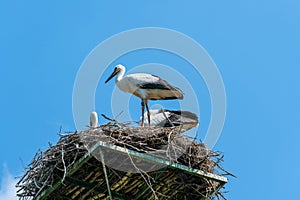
93, 120
185, 120
145, 86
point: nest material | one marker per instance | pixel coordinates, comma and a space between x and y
53, 164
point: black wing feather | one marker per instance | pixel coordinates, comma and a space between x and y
186, 114
160, 84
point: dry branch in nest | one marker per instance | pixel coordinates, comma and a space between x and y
54, 164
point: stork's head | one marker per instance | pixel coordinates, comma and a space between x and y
118, 69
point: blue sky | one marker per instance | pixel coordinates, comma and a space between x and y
255, 45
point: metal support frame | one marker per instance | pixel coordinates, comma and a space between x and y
95, 187
161, 161
150, 158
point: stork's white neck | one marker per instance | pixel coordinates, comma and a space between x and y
120, 75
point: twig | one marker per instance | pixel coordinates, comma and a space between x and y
141, 172
64, 164
110, 119
118, 115
105, 174
163, 111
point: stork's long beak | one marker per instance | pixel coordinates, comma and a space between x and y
112, 75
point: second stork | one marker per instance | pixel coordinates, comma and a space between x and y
145, 86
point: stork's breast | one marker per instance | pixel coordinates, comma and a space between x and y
127, 86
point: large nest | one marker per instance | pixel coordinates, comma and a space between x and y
53, 165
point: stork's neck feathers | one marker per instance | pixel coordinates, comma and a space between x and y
120, 74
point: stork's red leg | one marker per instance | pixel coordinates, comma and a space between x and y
143, 109
148, 113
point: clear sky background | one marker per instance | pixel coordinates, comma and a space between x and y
255, 44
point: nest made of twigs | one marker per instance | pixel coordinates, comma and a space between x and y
51, 165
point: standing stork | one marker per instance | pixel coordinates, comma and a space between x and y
185, 120
145, 86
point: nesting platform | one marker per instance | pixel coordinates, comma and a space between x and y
117, 161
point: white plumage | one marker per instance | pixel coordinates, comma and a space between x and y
185, 120
145, 86
93, 120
